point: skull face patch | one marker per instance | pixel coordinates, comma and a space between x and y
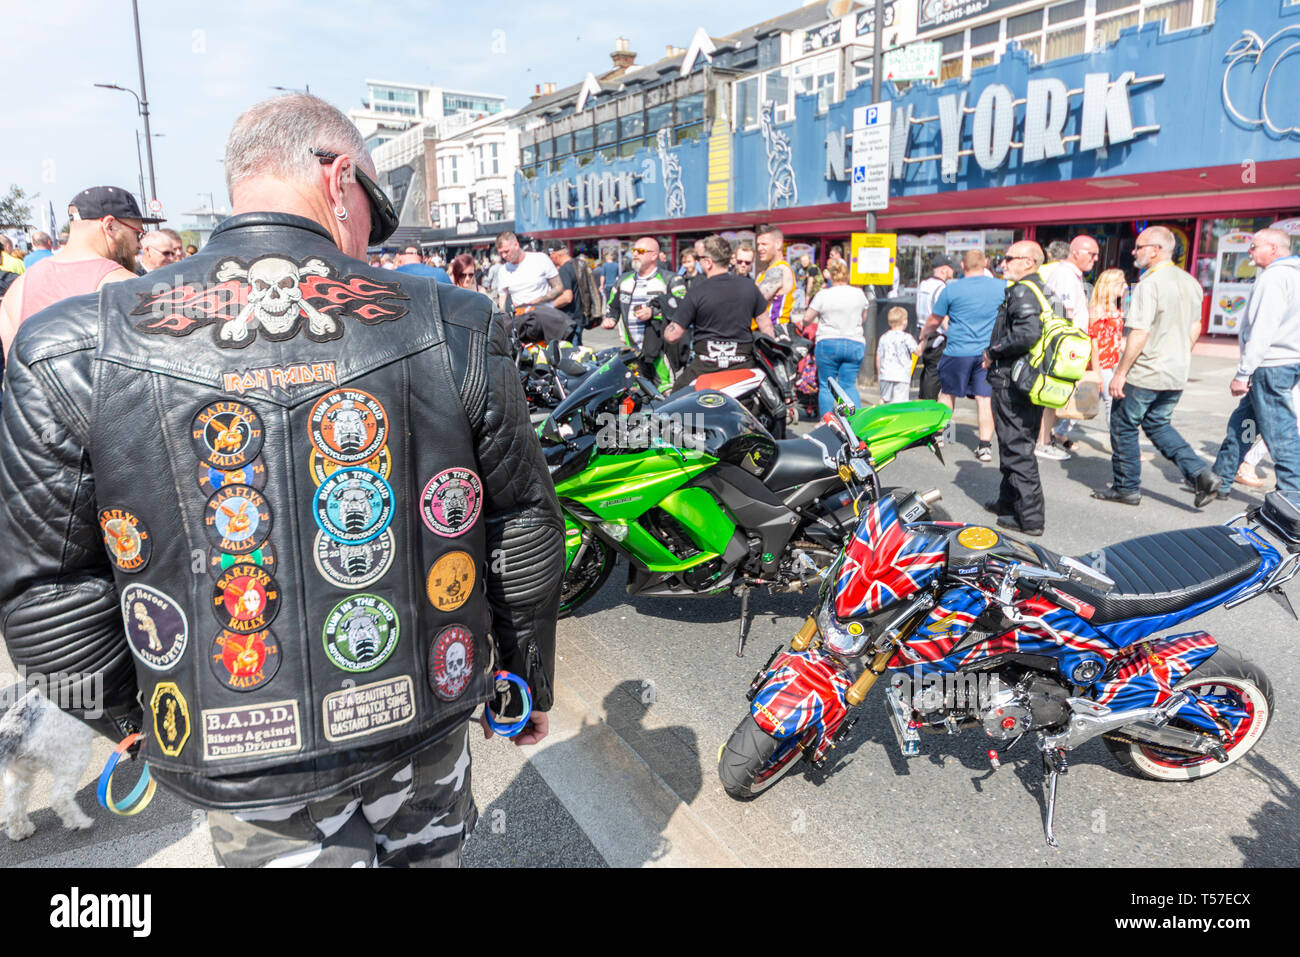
245, 599
451, 581
360, 633
226, 435
353, 506
322, 468
451, 502
348, 426
354, 566
156, 628
244, 662
237, 519
127, 540
451, 662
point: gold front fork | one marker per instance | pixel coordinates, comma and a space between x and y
804, 637
858, 691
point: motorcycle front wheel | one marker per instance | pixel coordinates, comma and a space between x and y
583, 581
752, 760
1241, 694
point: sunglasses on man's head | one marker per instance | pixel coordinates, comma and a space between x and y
383, 219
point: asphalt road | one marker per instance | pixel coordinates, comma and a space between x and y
650, 688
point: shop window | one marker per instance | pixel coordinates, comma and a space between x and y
690, 109
607, 133
979, 36
953, 43
1034, 45
1063, 43
1110, 6
1064, 12
692, 132
630, 126
629, 147
747, 103
1030, 22
657, 117
582, 139
816, 76
585, 158
1107, 31
564, 144
528, 155
987, 58
950, 69
545, 149
776, 89
861, 73
1177, 15
608, 154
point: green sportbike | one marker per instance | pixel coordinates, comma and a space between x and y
698, 496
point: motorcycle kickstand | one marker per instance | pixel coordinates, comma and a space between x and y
744, 618
1054, 765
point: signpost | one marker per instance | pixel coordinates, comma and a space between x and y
873, 258
870, 178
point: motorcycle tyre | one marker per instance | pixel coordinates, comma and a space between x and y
1229, 667
609, 558
747, 754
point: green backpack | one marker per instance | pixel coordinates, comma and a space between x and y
1056, 362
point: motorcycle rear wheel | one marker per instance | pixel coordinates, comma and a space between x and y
581, 583
1237, 683
752, 760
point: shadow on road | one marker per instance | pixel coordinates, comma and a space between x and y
1276, 842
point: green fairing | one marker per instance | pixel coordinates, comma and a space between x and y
888, 429
623, 488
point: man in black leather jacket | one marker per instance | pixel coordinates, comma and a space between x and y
1019, 504
289, 511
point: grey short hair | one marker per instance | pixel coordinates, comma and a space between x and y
172, 233
1278, 237
1163, 237
274, 138
1057, 249
154, 238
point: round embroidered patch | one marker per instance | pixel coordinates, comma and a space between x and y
156, 628
322, 468
451, 502
226, 434
253, 475
245, 599
264, 555
451, 662
354, 566
237, 519
353, 506
360, 633
348, 426
244, 662
127, 540
451, 581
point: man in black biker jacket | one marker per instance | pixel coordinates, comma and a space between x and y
289, 510
1019, 504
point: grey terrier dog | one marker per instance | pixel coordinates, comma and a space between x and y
35, 734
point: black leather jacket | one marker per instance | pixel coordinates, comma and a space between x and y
290, 506
1018, 327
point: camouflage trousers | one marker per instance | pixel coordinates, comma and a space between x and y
417, 816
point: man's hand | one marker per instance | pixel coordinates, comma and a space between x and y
1239, 386
644, 313
608, 323
537, 728
986, 362
1117, 384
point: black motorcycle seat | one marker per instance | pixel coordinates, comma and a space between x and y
799, 461
1166, 572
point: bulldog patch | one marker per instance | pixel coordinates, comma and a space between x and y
360, 633
354, 566
451, 502
348, 426
353, 506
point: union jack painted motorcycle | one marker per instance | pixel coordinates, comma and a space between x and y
981, 630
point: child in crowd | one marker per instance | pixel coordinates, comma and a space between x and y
894, 358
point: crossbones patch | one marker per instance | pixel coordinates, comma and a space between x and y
278, 296
451, 662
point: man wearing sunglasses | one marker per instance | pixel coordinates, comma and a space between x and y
641, 304
103, 241
159, 248
301, 518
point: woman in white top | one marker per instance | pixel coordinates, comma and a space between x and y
839, 311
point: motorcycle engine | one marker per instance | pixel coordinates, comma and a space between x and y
1032, 702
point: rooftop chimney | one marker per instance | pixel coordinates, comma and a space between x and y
622, 56
548, 88
675, 51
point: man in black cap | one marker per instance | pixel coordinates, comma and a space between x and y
103, 241
926, 293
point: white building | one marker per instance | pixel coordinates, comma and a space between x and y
390, 108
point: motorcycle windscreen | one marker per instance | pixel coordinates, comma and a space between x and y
602, 385
885, 562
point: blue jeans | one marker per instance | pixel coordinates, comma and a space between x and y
1151, 410
838, 359
1267, 409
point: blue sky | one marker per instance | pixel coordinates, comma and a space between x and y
206, 62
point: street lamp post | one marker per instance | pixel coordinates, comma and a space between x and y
144, 99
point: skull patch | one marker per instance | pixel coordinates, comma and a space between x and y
451, 662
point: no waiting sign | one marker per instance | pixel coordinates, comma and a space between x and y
870, 180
